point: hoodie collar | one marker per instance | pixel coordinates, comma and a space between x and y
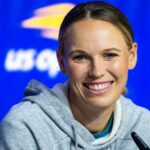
55, 104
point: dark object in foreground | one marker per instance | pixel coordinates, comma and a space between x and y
139, 142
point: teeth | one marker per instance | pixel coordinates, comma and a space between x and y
99, 86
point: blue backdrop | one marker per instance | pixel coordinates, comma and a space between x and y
28, 40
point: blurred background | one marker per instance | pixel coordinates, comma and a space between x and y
28, 40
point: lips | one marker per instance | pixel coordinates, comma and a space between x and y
98, 87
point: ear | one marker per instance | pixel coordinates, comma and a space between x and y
61, 62
132, 56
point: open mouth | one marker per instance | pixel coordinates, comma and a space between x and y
98, 88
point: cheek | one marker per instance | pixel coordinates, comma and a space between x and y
77, 71
119, 69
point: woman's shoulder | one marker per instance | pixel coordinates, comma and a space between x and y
128, 104
22, 112
135, 116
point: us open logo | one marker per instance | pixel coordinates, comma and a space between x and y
48, 20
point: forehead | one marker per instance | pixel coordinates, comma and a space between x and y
89, 32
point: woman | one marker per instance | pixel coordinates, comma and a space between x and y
96, 50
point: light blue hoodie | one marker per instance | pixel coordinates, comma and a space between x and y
43, 121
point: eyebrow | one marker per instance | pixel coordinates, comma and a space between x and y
84, 52
77, 51
112, 49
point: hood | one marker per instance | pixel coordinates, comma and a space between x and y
55, 104
58, 110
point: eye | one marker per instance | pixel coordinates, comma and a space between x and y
79, 57
110, 56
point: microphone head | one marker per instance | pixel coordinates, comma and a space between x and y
139, 142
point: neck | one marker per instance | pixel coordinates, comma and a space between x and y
95, 120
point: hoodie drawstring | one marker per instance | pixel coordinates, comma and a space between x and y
75, 138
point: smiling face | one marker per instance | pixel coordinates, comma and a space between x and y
96, 60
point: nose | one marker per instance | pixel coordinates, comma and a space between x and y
97, 68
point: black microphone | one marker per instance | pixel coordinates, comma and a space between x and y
139, 142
